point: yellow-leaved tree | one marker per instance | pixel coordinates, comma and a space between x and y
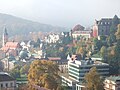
43, 73
93, 80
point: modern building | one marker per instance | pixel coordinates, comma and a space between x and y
112, 83
102, 27
78, 68
7, 82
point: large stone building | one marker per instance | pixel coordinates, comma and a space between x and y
79, 31
102, 27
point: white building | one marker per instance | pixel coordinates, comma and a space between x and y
52, 38
77, 70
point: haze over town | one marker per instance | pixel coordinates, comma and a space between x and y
65, 13
59, 45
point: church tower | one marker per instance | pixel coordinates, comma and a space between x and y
5, 36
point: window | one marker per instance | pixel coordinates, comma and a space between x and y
6, 84
11, 84
1, 85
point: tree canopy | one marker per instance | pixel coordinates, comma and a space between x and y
93, 80
44, 74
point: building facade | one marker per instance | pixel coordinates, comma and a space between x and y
79, 32
7, 82
78, 69
112, 83
103, 26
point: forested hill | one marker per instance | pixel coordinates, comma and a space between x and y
16, 25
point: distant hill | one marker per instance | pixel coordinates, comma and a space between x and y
16, 25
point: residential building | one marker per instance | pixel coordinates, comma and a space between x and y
112, 83
7, 82
52, 38
8, 63
11, 48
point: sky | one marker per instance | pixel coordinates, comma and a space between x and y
65, 13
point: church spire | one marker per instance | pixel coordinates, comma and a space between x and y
5, 36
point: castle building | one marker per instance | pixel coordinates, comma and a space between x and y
102, 27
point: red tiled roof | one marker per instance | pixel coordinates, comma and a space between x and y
12, 44
5, 48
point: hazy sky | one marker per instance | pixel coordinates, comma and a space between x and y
65, 13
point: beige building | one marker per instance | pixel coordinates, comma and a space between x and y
112, 83
79, 31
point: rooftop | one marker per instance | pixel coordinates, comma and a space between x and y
114, 78
5, 77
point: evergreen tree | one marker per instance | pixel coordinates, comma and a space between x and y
115, 22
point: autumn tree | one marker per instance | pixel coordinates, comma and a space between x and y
1, 66
44, 74
115, 22
15, 72
25, 69
93, 80
103, 52
118, 33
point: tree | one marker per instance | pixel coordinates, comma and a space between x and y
67, 40
93, 80
15, 72
118, 33
1, 66
23, 54
44, 74
97, 43
25, 69
81, 52
103, 52
115, 22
